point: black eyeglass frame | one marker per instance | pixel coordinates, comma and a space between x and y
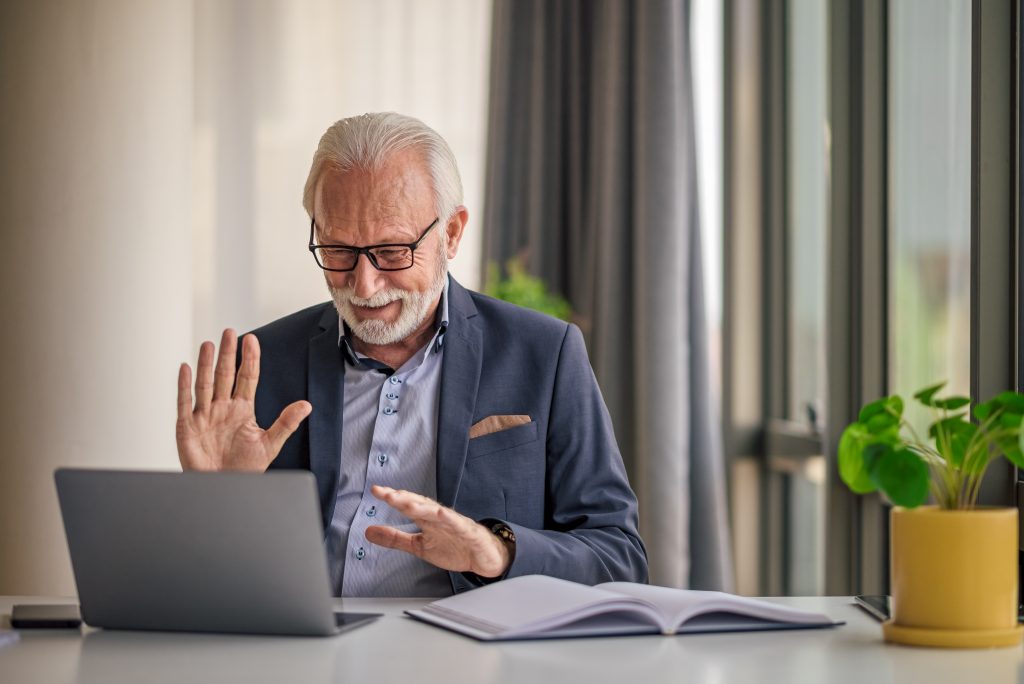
313, 247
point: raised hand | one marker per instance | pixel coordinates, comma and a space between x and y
447, 539
220, 432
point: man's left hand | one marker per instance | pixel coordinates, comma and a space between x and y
447, 539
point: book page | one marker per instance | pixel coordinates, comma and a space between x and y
534, 604
679, 605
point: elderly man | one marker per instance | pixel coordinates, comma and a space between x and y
455, 439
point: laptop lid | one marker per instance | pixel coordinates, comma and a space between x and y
203, 552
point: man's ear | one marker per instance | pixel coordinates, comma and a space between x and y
453, 231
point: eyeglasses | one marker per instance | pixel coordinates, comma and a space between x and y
386, 257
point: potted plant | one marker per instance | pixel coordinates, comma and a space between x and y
953, 564
519, 287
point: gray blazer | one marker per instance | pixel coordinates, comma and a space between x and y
557, 480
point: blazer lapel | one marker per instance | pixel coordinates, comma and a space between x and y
326, 385
460, 379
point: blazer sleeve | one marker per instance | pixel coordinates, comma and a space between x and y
591, 528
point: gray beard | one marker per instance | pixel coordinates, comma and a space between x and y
415, 308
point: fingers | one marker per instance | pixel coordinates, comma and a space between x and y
411, 505
249, 371
184, 392
420, 509
224, 377
393, 539
289, 420
400, 496
217, 383
204, 376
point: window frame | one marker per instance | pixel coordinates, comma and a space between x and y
754, 268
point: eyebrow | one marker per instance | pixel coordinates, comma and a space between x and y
398, 241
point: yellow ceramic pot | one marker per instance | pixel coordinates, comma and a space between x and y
954, 577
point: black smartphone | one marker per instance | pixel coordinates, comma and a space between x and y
877, 606
40, 616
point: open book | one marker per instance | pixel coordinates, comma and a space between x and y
541, 607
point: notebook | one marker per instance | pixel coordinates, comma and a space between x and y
540, 607
199, 552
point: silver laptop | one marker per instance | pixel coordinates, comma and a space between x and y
199, 552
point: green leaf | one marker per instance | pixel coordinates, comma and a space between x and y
880, 422
1011, 448
1016, 456
895, 405
902, 476
873, 453
1010, 419
925, 395
983, 410
958, 446
946, 424
951, 403
890, 435
881, 414
877, 407
851, 459
1011, 400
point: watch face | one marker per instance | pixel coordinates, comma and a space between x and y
504, 532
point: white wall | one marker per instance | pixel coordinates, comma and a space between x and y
152, 158
95, 257
270, 77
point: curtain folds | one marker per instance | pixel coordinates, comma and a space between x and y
591, 179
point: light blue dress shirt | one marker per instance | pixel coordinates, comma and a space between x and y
389, 437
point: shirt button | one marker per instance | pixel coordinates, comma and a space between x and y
361, 553
382, 458
371, 511
388, 411
392, 396
394, 381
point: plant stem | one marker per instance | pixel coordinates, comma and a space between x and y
917, 439
978, 454
930, 456
982, 433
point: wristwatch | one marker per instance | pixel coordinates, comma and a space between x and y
504, 533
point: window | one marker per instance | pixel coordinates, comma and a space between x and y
929, 204
871, 246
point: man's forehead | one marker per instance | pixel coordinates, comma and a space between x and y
368, 219
395, 195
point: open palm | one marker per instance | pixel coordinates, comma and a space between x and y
220, 432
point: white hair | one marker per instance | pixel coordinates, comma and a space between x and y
368, 141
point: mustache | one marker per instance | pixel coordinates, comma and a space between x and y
378, 299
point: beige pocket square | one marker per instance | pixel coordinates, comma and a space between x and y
492, 424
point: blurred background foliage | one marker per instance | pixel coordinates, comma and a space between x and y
516, 286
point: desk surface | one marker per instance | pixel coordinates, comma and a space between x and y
398, 649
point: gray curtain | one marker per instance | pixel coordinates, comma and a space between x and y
591, 178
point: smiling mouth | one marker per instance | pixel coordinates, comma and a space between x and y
371, 309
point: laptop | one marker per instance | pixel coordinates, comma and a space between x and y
199, 552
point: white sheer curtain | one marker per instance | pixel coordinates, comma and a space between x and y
270, 76
124, 123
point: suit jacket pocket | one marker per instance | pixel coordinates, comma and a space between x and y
504, 439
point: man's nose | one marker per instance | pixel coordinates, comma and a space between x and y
364, 279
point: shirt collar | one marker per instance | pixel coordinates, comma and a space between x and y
354, 358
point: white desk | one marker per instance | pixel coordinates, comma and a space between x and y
397, 649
